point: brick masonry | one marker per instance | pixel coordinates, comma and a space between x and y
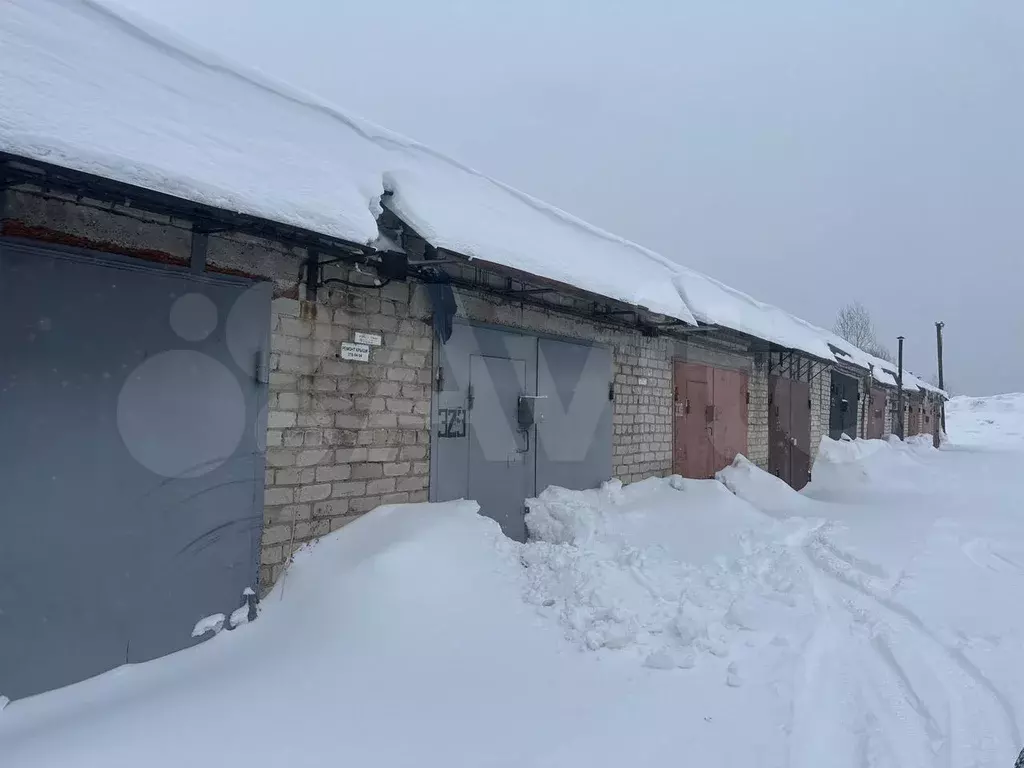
821, 405
890, 397
757, 415
343, 436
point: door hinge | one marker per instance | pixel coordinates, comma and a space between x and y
611, 390
439, 379
262, 369
748, 398
469, 398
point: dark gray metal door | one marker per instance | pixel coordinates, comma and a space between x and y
574, 415
131, 465
843, 407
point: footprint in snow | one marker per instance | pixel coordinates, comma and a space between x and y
732, 677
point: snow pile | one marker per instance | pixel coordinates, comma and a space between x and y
765, 491
867, 464
996, 421
859, 624
97, 90
667, 570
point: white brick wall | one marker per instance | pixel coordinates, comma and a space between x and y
821, 406
343, 436
757, 416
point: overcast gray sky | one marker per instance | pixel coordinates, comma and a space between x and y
808, 152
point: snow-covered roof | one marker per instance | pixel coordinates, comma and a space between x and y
101, 91
714, 303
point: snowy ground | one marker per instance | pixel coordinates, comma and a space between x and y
869, 621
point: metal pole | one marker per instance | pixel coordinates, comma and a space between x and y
942, 380
899, 394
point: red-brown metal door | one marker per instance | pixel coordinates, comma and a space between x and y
694, 416
729, 432
876, 414
779, 445
799, 433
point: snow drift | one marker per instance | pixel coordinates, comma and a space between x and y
855, 624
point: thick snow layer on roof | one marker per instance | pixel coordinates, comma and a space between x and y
881, 370
97, 91
714, 303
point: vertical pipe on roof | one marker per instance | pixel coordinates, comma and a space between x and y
899, 393
942, 382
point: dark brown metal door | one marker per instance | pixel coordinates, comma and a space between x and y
799, 433
729, 431
789, 430
779, 446
694, 416
876, 414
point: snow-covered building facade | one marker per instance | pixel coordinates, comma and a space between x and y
224, 344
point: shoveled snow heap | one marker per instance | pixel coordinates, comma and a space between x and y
868, 621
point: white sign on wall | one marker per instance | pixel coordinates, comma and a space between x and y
373, 339
351, 351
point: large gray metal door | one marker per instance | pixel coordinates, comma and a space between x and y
513, 414
574, 415
131, 464
478, 450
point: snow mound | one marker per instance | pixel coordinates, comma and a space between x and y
666, 569
761, 489
847, 464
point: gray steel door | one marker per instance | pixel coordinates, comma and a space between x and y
131, 465
513, 414
500, 473
478, 450
574, 415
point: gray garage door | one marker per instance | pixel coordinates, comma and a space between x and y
131, 467
514, 414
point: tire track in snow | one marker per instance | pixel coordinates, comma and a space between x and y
843, 732
859, 582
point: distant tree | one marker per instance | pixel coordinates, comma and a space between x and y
882, 351
854, 324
